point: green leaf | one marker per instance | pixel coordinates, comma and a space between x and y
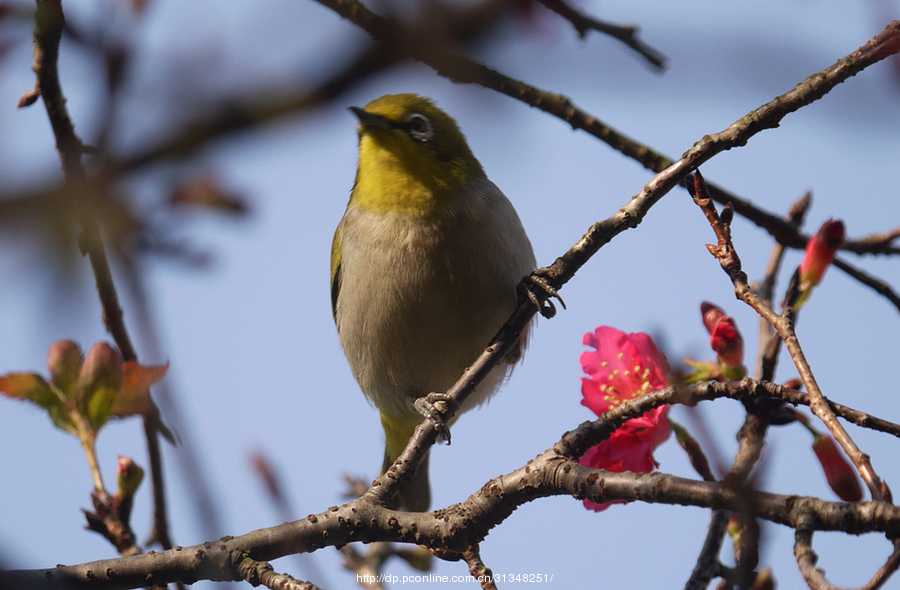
62, 418
97, 405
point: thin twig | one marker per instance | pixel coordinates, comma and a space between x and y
626, 34
262, 573
769, 344
204, 507
708, 565
784, 326
50, 21
478, 570
815, 578
694, 452
879, 286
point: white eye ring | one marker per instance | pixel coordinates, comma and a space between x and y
419, 127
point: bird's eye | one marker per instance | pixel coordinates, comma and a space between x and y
419, 127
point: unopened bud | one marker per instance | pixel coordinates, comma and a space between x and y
724, 337
711, 315
128, 477
102, 368
820, 250
64, 361
764, 580
840, 474
727, 342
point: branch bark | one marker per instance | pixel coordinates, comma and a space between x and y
464, 525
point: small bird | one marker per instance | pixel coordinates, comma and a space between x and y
424, 268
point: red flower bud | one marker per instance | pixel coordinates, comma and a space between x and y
727, 342
840, 474
128, 477
711, 315
820, 250
724, 337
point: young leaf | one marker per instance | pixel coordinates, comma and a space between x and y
32, 387
27, 386
134, 397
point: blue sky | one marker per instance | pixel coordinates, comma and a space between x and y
255, 362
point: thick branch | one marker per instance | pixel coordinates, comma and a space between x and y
458, 527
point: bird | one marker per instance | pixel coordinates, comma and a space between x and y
425, 264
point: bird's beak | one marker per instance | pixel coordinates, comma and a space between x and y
367, 119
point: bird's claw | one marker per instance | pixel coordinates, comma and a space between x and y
428, 407
542, 299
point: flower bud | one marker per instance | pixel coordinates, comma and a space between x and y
711, 315
727, 342
64, 361
102, 369
840, 474
99, 384
724, 337
764, 580
820, 250
128, 477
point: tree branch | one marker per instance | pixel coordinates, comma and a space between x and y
461, 526
626, 34
708, 565
815, 578
395, 37
879, 286
50, 20
727, 256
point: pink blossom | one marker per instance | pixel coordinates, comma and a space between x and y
623, 367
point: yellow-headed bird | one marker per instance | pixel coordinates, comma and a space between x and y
424, 268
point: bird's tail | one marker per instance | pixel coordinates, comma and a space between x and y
416, 496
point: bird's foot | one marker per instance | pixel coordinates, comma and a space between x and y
537, 288
431, 406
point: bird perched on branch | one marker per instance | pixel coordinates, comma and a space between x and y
424, 268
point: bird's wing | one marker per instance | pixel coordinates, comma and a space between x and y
336, 270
